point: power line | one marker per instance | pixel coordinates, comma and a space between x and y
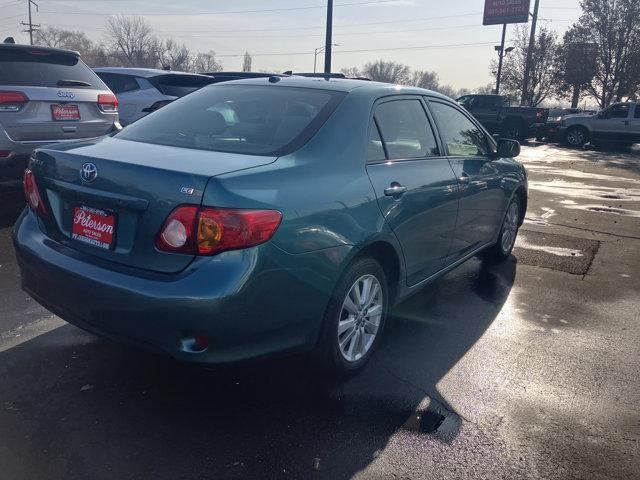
346, 25
361, 50
229, 12
343, 34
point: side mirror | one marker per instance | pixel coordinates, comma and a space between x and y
508, 148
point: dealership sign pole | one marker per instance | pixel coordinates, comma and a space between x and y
502, 12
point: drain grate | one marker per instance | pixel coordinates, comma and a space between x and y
558, 252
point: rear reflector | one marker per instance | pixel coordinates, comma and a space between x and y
5, 153
207, 231
12, 101
32, 193
107, 102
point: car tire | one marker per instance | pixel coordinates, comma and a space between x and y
502, 249
576, 136
345, 343
513, 130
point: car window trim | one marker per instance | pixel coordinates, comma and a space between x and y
395, 98
491, 144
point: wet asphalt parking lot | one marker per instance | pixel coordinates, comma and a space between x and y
528, 369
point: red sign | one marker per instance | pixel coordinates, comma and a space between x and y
498, 12
65, 112
93, 226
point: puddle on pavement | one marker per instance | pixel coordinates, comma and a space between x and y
557, 252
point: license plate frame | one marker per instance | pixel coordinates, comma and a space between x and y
65, 113
94, 226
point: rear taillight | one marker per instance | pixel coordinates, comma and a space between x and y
32, 193
12, 101
107, 102
5, 153
207, 231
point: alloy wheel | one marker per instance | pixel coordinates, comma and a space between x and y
575, 137
510, 228
360, 318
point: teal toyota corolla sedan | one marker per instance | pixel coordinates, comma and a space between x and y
266, 216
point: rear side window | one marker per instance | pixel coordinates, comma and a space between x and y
119, 83
43, 68
405, 129
179, 85
255, 120
462, 136
375, 150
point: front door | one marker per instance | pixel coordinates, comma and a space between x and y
414, 184
482, 198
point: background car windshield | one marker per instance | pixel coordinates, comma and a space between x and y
258, 120
43, 68
179, 85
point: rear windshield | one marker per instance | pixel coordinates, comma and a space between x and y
255, 120
42, 68
179, 85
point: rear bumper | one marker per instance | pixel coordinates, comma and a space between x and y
248, 303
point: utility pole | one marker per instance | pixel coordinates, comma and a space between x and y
501, 53
32, 26
527, 66
328, 40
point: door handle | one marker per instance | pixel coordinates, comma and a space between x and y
464, 178
394, 189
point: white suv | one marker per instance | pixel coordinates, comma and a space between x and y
619, 123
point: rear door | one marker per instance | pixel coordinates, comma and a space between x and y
414, 183
482, 200
61, 92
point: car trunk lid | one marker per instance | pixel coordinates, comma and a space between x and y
128, 190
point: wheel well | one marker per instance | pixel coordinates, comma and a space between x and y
387, 256
521, 193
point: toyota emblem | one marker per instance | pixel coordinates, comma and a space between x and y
88, 172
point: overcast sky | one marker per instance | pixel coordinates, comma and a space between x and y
282, 34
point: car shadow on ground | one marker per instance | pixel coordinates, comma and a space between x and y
81, 407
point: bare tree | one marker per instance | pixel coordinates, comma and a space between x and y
351, 72
425, 79
205, 62
389, 72
614, 25
575, 67
542, 72
246, 63
172, 55
90, 52
132, 41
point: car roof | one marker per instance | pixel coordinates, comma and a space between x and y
334, 84
142, 72
18, 46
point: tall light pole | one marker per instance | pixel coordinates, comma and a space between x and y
327, 43
501, 54
316, 51
527, 65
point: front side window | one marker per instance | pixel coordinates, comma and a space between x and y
462, 136
405, 130
617, 111
253, 120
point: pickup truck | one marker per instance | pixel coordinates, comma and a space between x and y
618, 123
497, 115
